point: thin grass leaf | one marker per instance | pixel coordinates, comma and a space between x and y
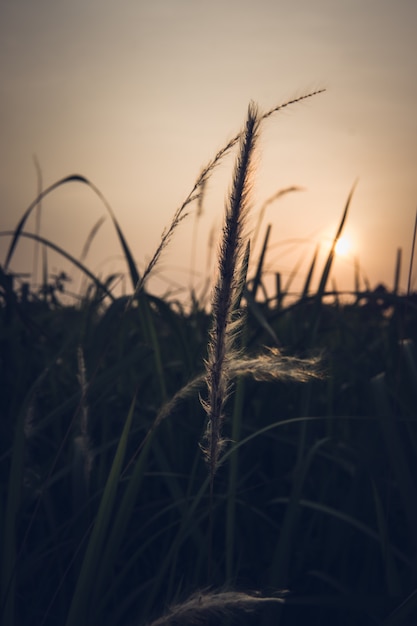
352, 522
407, 349
307, 283
49, 244
396, 454
258, 274
413, 245
330, 257
37, 218
121, 520
93, 232
392, 575
397, 273
401, 614
258, 314
93, 562
283, 548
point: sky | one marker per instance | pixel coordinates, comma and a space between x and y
137, 96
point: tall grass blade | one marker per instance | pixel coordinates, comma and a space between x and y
283, 548
37, 219
309, 277
257, 313
92, 560
397, 273
258, 274
330, 257
413, 245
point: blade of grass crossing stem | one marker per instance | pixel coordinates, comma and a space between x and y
122, 518
397, 273
187, 521
408, 351
278, 291
258, 274
356, 277
314, 325
391, 571
400, 615
92, 560
45, 271
396, 454
259, 316
282, 553
150, 333
190, 514
407, 347
410, 268
326, 270
307, 282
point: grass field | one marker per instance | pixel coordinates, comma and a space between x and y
253, 461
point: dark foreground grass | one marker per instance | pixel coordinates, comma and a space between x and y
108, 512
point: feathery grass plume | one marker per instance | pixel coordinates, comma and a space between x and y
271, 366
226, 293
205, 605
197, 192
274, 366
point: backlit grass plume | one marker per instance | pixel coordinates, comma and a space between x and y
226, 294
198, 190
221, 605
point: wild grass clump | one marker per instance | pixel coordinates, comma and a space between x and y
110, 514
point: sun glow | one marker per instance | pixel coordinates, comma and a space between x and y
343, 246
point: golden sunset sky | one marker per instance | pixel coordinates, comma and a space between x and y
138, 96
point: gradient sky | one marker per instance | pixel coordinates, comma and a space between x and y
138, 96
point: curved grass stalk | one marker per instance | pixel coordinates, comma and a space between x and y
67, 256
63, 181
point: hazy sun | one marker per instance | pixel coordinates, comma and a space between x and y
343, 246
